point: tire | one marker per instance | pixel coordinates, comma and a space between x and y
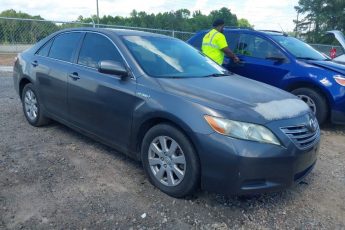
164, 169
316, 102
32, 106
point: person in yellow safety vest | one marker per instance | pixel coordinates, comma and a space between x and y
214, 44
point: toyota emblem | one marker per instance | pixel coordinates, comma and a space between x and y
312, 126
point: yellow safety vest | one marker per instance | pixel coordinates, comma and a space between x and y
212, 45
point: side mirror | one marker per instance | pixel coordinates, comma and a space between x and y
112, 67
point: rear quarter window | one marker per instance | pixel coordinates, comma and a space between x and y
197, 41
44, 50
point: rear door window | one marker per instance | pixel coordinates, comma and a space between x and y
44, 50
64, 46
97, 48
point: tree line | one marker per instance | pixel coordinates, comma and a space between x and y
16, 31
179, 20
314, 17
26, 32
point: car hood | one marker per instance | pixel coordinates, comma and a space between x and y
330, 65
237, 98
339, 36
340, 59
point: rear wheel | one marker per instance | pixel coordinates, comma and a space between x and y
316, 102
32, 107
170, 161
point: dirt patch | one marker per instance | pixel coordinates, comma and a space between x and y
55, 178
7, 59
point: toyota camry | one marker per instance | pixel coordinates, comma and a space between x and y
190, 122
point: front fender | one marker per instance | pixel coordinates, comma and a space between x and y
185, 114
324, 85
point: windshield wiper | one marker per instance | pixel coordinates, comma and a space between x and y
308, 58
217, 75
183, 76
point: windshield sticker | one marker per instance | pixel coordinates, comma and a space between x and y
149, 46
218, 67
281, 109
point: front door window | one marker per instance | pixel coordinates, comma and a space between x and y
257, 47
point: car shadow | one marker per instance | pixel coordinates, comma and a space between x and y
102, 147
329, 127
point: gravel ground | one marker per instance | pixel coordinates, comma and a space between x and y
7, 59
53, 177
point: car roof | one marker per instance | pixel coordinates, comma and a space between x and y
250, 30
113, 31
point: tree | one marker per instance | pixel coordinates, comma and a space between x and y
244, 23
224, 13
319, 16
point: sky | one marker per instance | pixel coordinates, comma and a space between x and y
263, 14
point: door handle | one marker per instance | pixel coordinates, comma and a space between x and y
34, 63
74, 76
238, 64
242, 61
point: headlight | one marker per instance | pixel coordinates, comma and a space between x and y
339, 79
242, 130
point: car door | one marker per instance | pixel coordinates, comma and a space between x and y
232, 40
261, 60
51, 64
99, 103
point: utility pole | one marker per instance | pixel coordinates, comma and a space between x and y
298, 10
97, 13
296, 29
93, 22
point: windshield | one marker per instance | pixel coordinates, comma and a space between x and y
298, 48
167, 57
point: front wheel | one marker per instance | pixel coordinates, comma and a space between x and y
316, 102
170, 161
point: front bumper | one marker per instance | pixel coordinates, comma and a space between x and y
338, 108
231, 166
338, 117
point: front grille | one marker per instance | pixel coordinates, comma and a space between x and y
301, 135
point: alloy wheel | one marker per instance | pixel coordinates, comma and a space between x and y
167, 161
30, 105
310, 102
